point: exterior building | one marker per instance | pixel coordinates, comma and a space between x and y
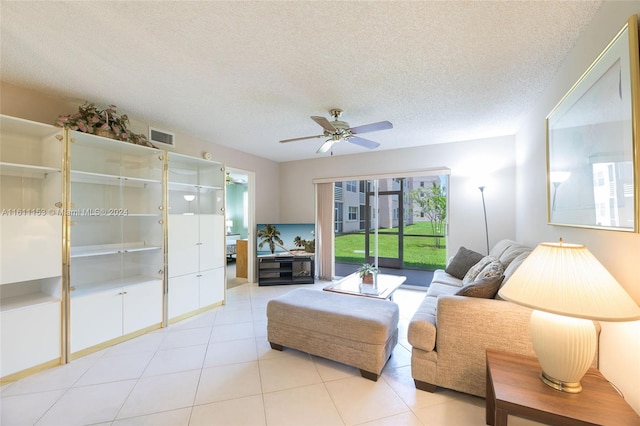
351, 203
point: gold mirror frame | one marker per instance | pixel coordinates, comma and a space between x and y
592, 142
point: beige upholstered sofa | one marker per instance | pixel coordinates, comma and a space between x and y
450, 334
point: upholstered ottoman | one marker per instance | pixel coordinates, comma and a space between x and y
353, 330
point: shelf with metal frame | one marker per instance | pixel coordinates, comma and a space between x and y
31, 308
196, 238
116, 234
85, 227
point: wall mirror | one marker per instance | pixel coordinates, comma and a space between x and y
592, 142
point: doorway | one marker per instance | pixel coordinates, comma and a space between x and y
240, 222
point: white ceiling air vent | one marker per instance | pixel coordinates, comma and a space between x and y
162, 137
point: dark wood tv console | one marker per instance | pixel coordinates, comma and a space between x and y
285, 269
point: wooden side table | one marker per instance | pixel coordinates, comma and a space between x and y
514, 387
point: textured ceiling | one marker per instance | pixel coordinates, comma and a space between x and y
247, 74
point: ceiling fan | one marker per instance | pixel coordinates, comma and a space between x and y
337, 130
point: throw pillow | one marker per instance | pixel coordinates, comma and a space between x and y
485, 288
472, 273
462, 262
515, 263
493, 269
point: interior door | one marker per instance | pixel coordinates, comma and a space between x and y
389, 225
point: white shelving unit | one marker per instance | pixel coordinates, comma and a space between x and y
90, 255
196, 235
30, 246
116, 233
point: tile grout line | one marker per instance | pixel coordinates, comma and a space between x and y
155, 352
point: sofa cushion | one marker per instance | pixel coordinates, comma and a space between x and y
443, 283
440, 276
500, 248
512, 252
437, 289
485, 288
472, 273
509, 270
462, 262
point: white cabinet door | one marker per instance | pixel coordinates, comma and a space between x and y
32, 247
183, 295
183, 244
213, 241
142, 306
211, 286
29, 337
95, 318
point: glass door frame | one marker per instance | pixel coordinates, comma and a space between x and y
323, 202
376, 259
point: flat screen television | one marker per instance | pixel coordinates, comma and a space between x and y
285, 239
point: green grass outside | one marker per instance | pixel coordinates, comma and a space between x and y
420, 252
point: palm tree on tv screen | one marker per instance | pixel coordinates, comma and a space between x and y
270, 234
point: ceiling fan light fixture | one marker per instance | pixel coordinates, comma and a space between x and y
340, 125
338, 130
327, 145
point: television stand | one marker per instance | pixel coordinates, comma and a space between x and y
283, 269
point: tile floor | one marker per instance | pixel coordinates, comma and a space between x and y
218, 369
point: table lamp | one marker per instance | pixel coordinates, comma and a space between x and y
567, 288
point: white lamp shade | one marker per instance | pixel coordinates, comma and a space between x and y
566, 279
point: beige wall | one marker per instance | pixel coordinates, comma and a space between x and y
492, 159
31, 105
618, 251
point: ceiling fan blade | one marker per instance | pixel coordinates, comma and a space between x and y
326, 146
324, 123
363, 142
373, 127
301, 139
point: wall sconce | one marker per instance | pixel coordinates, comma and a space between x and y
556, 179
229, 224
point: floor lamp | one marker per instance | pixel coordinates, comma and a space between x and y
484, 208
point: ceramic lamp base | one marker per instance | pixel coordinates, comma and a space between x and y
565, 348
575, 387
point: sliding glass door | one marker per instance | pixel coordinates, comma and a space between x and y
397, 223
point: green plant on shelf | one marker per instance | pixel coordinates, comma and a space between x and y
102, 122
